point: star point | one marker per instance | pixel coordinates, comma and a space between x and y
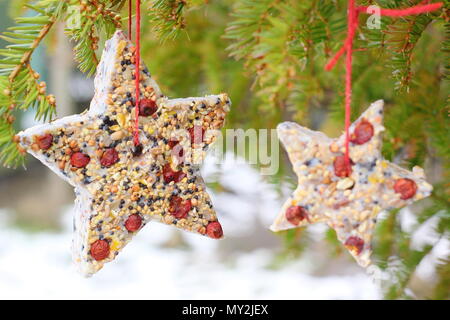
347, 199
121, 187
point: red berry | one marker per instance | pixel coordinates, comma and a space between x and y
45, 142
406, 187
79, 160
169, 175
197, 134
147, 107
179, 208
214, 230
175, 202
133, 223
363, 132
173, 143
341, 168
109, 157
355, 244
296, 214
100, 250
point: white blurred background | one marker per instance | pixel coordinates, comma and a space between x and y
163, 263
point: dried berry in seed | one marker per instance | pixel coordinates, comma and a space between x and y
133, 223
363, 132
296, 214
406, 187
355, 244
214, 230
45, 142
179, 208
170, 175
341, 167
173, 143
79, 160
100, 250
109, 157
147, 107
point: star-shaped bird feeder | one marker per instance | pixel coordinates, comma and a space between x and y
121, 186
346, 197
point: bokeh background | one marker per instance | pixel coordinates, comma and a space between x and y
251, 262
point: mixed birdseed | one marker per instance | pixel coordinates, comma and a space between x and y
121, 186
346, 195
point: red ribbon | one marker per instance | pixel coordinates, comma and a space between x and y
130, 18
137, 65
352, 25
137, 73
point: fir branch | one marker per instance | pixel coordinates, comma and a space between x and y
23, 42
385, 232
397, 39
401, 39
442, 289
109, 13
168, 16
263, 38
10, 152
395, 243
20, 85
446, 49
90, 19
250, 19
277, 40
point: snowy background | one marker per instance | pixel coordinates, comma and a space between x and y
162, 263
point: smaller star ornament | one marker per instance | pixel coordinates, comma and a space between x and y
121, 186
347, 198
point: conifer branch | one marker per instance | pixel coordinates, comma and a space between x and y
168, 16
90, 19
20, 85
24, 61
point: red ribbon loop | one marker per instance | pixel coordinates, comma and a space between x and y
352, 25
137, 72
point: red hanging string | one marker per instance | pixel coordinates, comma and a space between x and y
352, 25
137, 72
352, 18
406, 12
130, 18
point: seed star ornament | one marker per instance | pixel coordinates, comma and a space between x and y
348, 199
119, 186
